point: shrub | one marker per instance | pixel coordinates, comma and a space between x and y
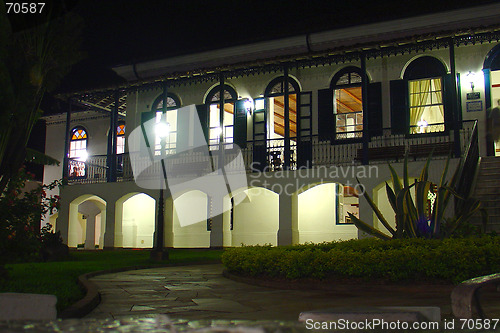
449, 260
20, 214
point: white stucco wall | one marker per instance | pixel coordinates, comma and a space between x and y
138, 221
256, 220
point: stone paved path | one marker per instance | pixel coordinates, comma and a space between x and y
201, 292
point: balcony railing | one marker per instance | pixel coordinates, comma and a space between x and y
381, 148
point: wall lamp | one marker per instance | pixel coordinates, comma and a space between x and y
248, 105
471, 77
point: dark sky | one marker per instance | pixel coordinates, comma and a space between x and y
126, 31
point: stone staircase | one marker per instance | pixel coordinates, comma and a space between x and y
487, 190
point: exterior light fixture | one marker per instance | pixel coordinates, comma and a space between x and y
471, 77
422, 124
248, 105
162, 129
83, 156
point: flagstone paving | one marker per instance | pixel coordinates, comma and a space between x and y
201, 292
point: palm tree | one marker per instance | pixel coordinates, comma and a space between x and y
32, 62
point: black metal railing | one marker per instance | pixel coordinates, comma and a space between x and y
470, 164
269, 155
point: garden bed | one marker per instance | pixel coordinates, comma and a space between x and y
405, 261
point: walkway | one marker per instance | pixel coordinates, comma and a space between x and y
201, 292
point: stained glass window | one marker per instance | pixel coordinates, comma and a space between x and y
120, 138
78, 144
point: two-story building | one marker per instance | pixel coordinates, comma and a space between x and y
310, 113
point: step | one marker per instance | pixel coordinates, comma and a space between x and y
484, 192
482, 174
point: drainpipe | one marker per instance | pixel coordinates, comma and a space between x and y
454, 104
364, 98
287, 118
65, 171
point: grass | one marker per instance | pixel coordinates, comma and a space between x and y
60, 278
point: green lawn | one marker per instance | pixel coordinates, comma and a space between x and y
60, 278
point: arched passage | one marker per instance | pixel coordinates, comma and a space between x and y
190, 225
255, 220
319, 214
87, 221
135, 221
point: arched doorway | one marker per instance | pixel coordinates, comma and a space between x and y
87, 222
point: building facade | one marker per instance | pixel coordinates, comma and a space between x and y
310, 114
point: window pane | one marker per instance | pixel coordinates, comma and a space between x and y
426, 106
348, 107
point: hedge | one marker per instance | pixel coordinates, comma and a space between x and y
449, 260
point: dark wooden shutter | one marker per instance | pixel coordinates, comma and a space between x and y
260, 135
326, 120
448, 100
400, 123
148, 129
240, 124
183, 121
304, 129
375, 109
203, 115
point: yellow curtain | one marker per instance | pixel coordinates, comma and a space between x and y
439, 95
419, 92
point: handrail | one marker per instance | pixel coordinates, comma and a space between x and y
468, 168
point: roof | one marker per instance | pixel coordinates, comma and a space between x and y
463, 26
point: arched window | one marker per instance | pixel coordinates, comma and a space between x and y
170, 117
275, 92
120, 138
78, 143
215, 128
348, 103
425, 87
77, 152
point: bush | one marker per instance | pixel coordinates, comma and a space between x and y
20, 214
449, 260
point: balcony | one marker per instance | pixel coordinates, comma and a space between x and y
271, 155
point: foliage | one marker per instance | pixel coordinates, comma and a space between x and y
417, 259
60, 278
412, 217
20, 214
32, 62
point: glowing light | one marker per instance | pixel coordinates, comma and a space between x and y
83, 156
162, 129
248, 105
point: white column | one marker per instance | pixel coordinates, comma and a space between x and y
217, 222
109, 231
285, 219
90, 232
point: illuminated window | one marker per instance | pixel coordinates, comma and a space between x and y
215, 128
170, 119
426, 105
275, 92
77, 152
348, 103
78, 143
120, 138
425, 89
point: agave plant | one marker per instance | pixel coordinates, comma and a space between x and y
412, 217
